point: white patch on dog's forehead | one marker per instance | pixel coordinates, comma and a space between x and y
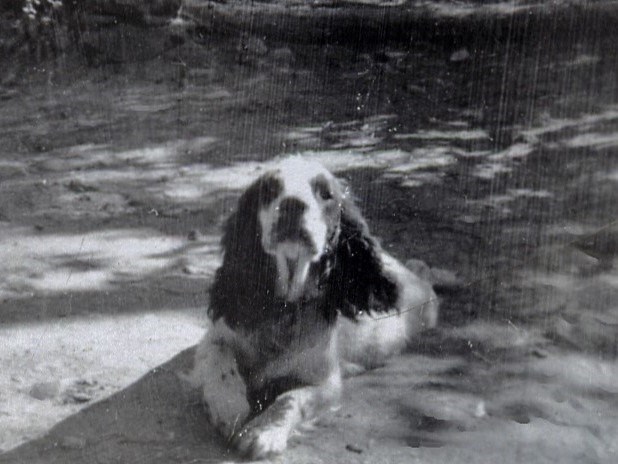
296, 171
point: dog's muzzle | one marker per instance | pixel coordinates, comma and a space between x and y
289, 226
293, 247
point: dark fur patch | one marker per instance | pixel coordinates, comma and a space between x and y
322, 188
358, 282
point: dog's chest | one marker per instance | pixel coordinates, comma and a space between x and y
293, 330
286, 354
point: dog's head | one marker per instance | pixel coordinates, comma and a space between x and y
300, 221
296, 236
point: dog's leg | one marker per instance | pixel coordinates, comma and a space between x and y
224, 390
269, 432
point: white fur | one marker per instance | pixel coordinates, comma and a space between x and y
225, 395
368, 342
290, 282
269, 432
216, 372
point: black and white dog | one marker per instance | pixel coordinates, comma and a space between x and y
301, 297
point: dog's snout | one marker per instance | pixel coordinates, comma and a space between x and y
289, 224
292, 207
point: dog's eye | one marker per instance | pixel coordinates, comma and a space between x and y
322, 189
325, 194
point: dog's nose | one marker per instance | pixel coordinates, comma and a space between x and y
289, 224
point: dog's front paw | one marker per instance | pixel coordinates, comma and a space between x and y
262, 440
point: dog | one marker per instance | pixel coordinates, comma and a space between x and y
304, 296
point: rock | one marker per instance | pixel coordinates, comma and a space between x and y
78, 186
195, 235
72, 442
179, 30
282, 56
191, 270
602, 245
480, 410
353, 449
77, 397
539, 353
80, 391
250, 47
44, 390
460, 55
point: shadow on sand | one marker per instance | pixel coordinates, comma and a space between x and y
154, 420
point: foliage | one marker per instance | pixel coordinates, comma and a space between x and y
45, 27
43, 10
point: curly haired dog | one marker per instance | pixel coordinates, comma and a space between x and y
301, 296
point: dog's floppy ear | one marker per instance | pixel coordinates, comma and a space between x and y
246, 270
242, 234
358, 281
